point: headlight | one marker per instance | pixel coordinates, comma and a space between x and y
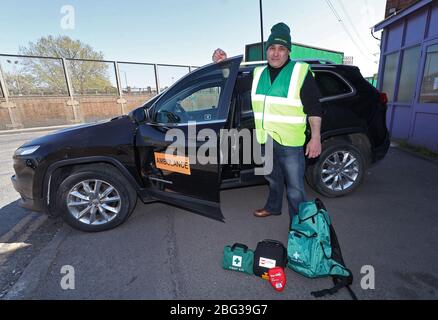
26, 150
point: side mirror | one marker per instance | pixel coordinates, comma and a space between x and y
140, 115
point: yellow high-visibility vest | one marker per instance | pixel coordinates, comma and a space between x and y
278, 110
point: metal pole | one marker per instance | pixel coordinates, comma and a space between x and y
7, 104
119, 85
67, 78
74, 104
157, 79
3, 86
126, 80
261, 30
121, 100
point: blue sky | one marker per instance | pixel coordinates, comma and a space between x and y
187, 31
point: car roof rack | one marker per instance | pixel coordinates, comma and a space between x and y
252, 63
318, 61
309, 61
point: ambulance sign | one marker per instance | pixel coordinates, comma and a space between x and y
172, 163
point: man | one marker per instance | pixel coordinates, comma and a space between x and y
284, 95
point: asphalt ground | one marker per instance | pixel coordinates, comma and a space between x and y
162, 252
9, 212
23, 234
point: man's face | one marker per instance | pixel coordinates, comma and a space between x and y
277, 55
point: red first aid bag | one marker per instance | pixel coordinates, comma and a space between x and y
277, 278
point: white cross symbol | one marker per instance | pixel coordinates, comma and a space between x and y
237, 261
296, 255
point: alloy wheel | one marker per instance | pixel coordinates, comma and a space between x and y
340, 171
94, 202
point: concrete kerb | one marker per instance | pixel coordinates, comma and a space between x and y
36, 271
413, 153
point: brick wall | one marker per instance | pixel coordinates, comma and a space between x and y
397, 5
4, 118
32, 112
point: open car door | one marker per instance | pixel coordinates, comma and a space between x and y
179, 165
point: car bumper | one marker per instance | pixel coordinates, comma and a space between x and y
382, 150
26, 201
25, 183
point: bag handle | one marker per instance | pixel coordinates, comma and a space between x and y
276, 242
303, 234
239, 245
319, 204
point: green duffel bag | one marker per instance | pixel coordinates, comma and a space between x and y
238, 258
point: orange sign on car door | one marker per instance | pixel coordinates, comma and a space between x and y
172, 163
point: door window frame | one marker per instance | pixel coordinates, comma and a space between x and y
191, 80
193, 89
338, 96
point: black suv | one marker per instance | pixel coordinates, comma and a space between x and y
92, 174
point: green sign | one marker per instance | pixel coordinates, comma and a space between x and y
299, 51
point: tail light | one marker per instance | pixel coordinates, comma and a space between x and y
383, 98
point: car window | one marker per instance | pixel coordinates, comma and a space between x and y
197, 103
331, 84
202, 100
245, 103
243, 90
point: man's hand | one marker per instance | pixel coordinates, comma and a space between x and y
313, 148
219, 55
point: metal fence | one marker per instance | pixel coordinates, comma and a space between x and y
27, 76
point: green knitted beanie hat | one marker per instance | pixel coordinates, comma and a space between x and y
280, 34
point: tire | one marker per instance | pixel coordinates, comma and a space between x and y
82, 208
329, 176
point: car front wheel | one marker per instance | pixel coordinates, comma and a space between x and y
95, 199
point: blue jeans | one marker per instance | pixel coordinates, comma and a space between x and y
288, 168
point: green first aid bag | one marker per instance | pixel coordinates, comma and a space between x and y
238, 258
